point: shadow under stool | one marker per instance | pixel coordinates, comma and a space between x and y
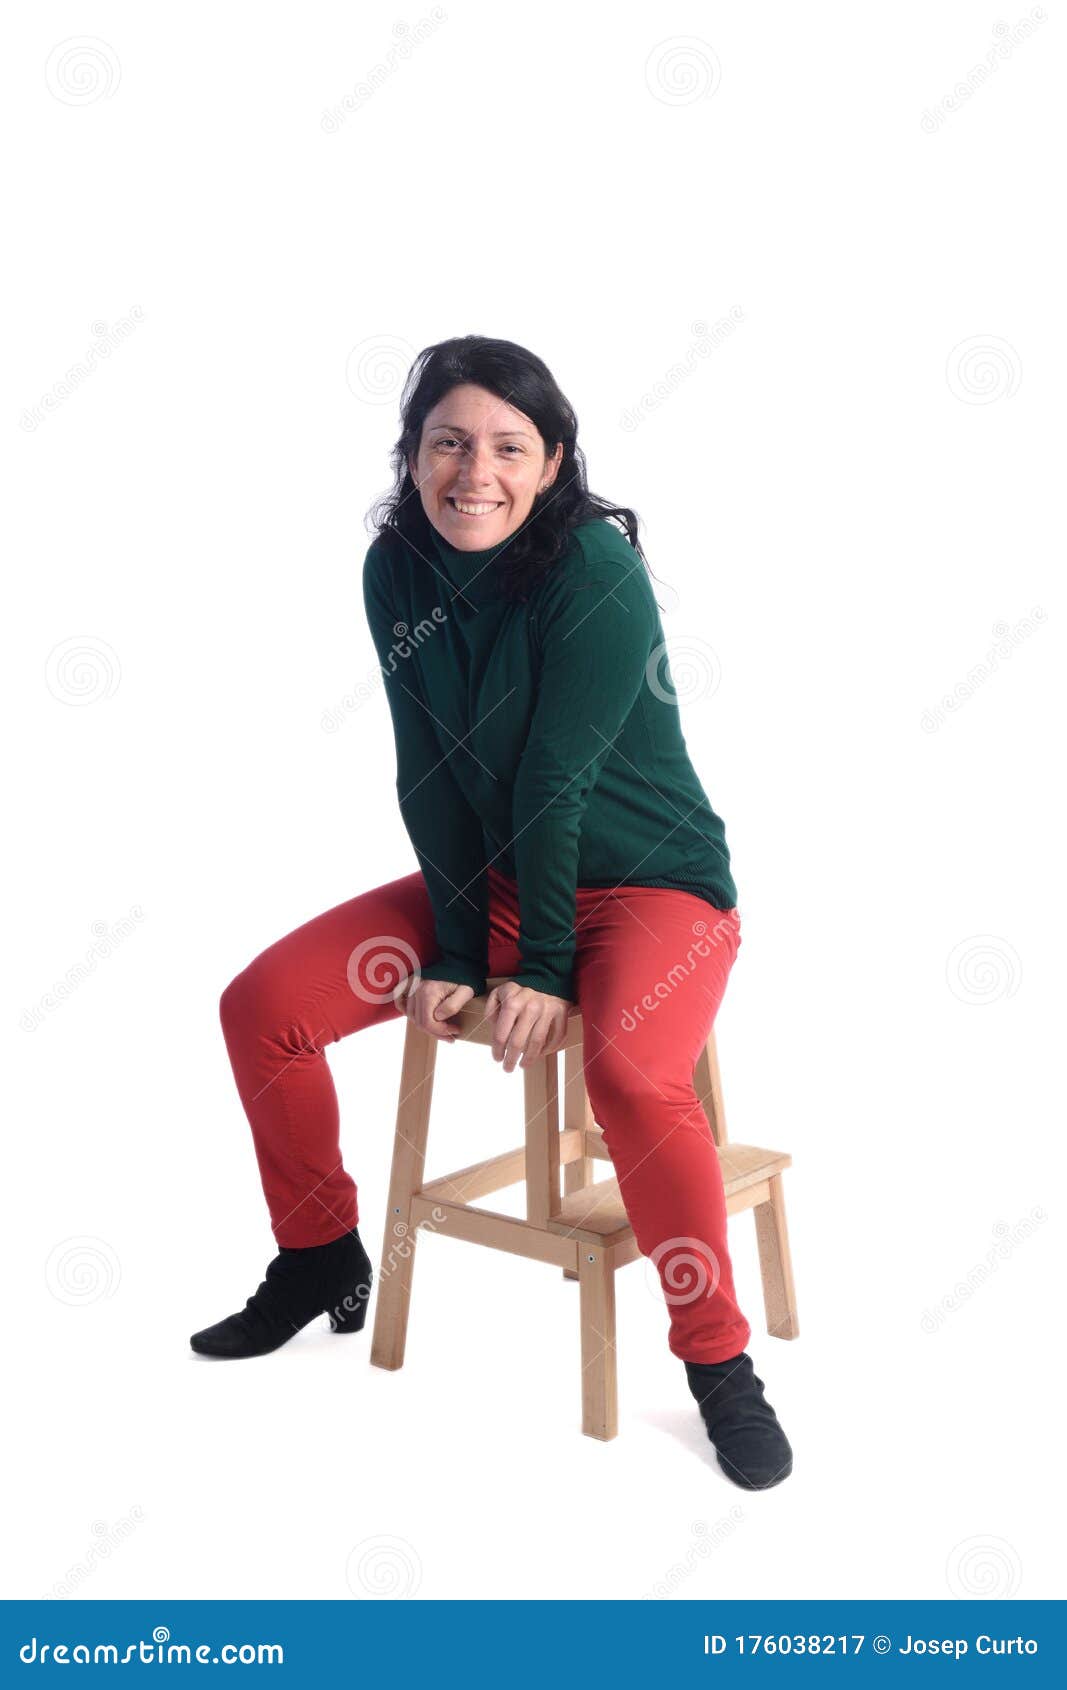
582, 1229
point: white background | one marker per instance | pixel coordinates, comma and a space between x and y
844, 507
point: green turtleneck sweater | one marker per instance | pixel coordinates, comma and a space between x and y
542, 738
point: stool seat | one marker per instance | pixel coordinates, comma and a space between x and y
583, 1228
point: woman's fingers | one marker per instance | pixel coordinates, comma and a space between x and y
522, 1032
525, 1039
451, 1003
552, 1035
539, 1043
418, 1000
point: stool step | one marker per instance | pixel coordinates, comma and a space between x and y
747, 1164
596, 1209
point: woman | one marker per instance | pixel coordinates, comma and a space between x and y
564, 841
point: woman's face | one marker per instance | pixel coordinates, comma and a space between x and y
480, 466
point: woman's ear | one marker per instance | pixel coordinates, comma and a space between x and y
551, 469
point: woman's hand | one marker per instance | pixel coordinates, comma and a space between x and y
528, 1024
431, 1003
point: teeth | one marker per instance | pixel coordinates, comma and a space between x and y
473, 510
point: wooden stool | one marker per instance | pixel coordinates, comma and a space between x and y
585, 1231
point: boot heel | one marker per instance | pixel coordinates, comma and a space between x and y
350, 1313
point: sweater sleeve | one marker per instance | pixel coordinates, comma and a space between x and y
595, 642
444, 830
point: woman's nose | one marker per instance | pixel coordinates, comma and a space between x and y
478, 466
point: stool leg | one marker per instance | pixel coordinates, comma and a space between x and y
576, 1176
409, 1156
577, 1112
776, 1265
600, 1391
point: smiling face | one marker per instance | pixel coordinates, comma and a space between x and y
481, 464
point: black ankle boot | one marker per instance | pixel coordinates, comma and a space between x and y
333, 1279
751, 1447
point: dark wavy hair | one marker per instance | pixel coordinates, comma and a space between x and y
521, 379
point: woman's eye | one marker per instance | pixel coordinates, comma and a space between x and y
448, 440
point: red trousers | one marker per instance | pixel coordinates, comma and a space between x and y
651, 968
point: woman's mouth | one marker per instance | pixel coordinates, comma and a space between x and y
474, 507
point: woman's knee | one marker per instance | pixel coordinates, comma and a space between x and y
617, 1089
639, 1101
252, 998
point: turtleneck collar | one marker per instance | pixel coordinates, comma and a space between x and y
475, 574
